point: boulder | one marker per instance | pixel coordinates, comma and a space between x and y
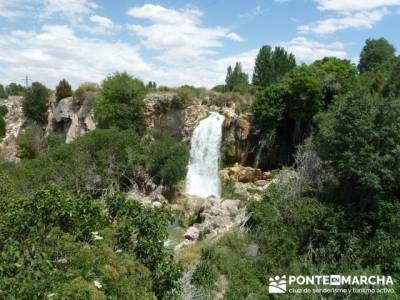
192, 233
239, 173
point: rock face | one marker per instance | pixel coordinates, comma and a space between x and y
211, 216
153, 198
66, 117
239, 173
238, 139
163, 112
15, 123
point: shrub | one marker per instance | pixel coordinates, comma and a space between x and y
2, 127
3, 110
63, 90
14, 89
31, 143
121, 103
36, 102
85, 88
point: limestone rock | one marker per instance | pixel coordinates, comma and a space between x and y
192, 233
214, 215
15, 124
242, 174
66, 117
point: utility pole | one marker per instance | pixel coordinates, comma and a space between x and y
26, 79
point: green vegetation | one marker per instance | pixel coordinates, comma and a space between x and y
236, 79
3, 94
63, 90
374, 54
272, 65
15, 89
121, 103
335, 210
2, 127
84, 90
36, 102
68, 231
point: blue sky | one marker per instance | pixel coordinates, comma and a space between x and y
175, 42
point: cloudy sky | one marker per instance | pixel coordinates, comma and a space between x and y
175, 42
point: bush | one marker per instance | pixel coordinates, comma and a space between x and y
3, 110
121, 103
31, 143
36, 102
63, 90
85, 88
2, 127
14, 89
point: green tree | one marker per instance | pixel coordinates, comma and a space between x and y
359, 138
236, 79
14, 89
272, 65
63, 90
3, 94
375, 53
121, 103
337, 77
36, 102
283, 113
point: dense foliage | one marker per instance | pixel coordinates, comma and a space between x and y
236, 80
375, 53
67, 232
2, 127
35, 103
121, 103
15, 89
63, 90
3, 94
272, 65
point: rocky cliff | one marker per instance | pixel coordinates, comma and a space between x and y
163, 111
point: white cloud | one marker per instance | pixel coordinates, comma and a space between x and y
73, 10
56, 52
178, 33
307, 50
357, 14
102, 21
359, 20
235, 37
354, 5
16, 8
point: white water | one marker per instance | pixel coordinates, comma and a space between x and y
202, 178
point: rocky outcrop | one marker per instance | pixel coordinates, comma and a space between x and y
164, 112
68, 118
238, 142
239, 173
15, 124
210, 217
153, 198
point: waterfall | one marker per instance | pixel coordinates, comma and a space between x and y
202, 178
258, 155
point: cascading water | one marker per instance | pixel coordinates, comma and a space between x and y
202, 178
